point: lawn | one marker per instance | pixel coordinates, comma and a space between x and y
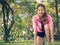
29, 42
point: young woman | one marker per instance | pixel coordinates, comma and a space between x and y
42, 25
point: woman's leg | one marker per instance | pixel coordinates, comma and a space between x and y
47, 32
39, 40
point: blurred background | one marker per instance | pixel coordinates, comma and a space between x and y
21, 32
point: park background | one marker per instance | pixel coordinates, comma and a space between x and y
21, 32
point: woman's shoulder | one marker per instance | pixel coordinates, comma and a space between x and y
35, 16
49, 16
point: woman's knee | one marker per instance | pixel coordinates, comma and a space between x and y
46, 27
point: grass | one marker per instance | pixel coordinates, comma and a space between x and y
24, 42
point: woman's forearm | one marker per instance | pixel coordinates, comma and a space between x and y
35, 42
52, 41
35, 39
52, 37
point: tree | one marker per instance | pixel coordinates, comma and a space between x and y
6, 9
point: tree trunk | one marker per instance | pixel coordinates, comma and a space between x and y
6, 9
57, 17
57, 36
6, 36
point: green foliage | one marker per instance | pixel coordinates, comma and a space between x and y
23, 22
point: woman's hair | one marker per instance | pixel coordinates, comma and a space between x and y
44, 9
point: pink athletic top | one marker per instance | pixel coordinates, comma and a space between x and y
37, 25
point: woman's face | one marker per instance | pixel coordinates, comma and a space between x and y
40, 11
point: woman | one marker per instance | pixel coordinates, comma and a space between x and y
42, 25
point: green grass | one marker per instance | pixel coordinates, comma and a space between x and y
29, 42
57, 42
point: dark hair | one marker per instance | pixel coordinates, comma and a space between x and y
43, 7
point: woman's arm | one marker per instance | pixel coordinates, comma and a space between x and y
35, 39
52, 37
51, 29
35, 30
